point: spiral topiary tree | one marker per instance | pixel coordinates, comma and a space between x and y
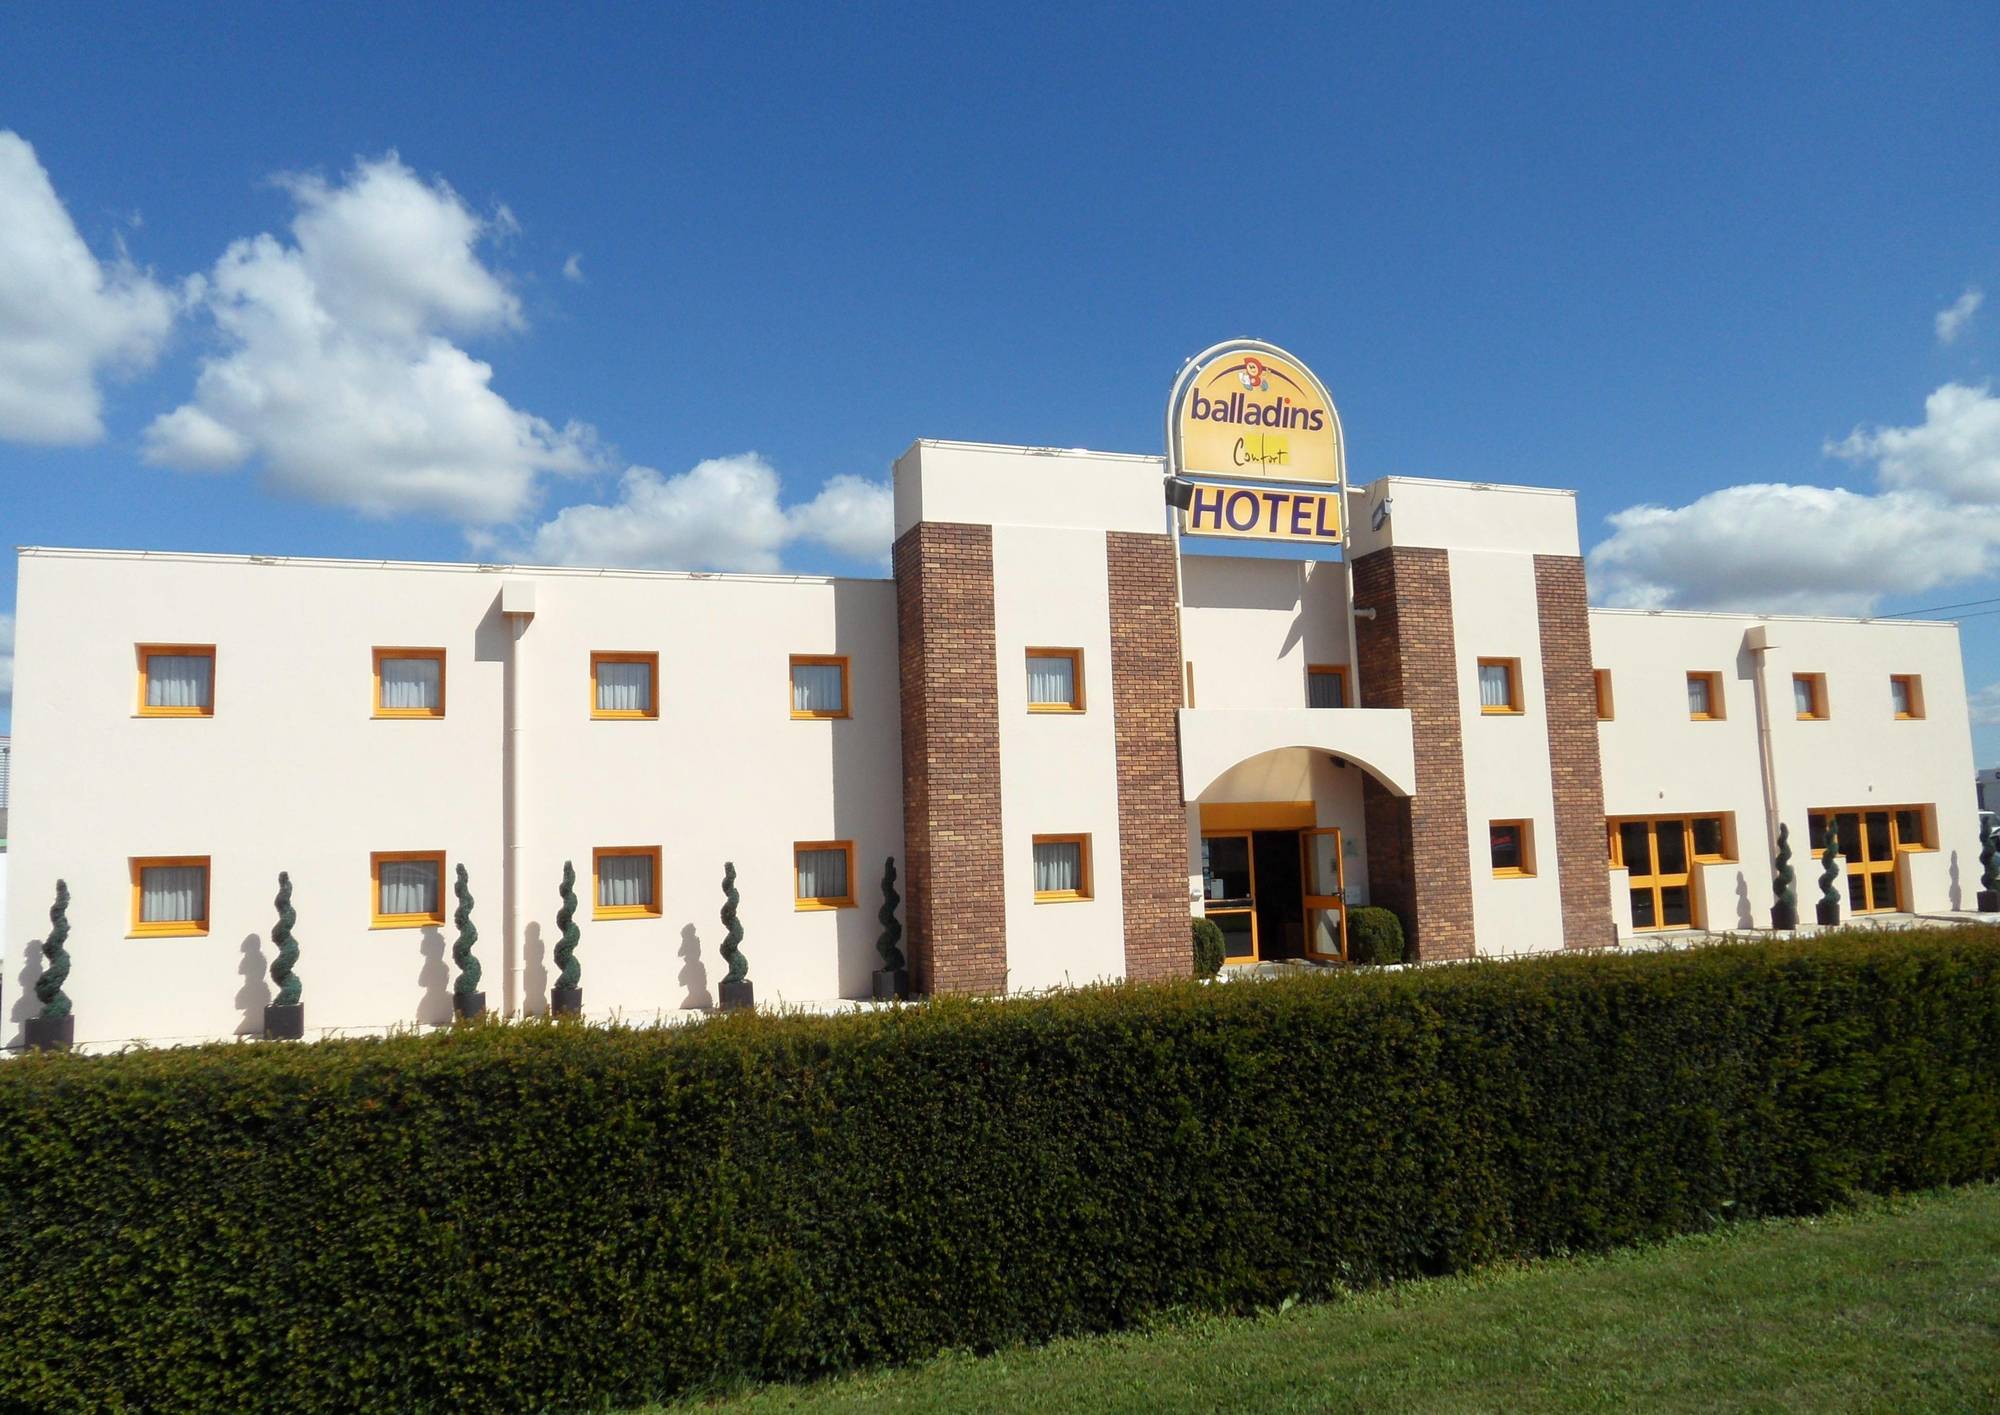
736, 989
1784, 884
284, 1017
466, 998
892, 979
1828, 909
56, 1027
566, 997
1989, 868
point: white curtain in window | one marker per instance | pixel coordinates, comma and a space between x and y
624, 687
1802, 697
816, 687
1899, 696
410, 683
409, 887
1495, 686
172, 894
822, 874
1323, 690
178, 680
625, 881
1698, 696
1052, 679
1058, 866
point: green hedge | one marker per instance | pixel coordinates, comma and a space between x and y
545, 1216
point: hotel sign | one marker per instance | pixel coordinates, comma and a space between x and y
1258, 435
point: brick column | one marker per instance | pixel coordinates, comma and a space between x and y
1577, 772
951, 758
1145, 698
1417, 861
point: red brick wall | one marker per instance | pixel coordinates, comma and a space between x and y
1570, 697
951, 758
1407, 658
1145, 695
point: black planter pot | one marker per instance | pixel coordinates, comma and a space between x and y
891, 983
1784, 916
1827, 913
737, 995
566, 1002
1989, 901
51, 1033
285, 1024
468, 1005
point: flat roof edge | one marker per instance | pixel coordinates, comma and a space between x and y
1751, 614
447, 567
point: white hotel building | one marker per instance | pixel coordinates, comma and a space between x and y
1069, 730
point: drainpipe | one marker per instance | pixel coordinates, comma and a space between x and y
1758, 640
517, 607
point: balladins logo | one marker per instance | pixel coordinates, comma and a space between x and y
1254, 376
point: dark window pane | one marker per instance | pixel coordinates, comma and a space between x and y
1708, 835
1225, 867
1816, 831
1885, 889
1878, 835
1235, 933
1642, 909
1850, 834
1636, 842
1673, 847
1674, 907
1909, 828
1857, 892
1506, 841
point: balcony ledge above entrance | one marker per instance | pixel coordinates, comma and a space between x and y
1377, 739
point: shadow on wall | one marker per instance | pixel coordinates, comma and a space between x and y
434, 1008
1957, 895
25, 1003
255, 994
1744, 918
534, 972
694, 974
860, 781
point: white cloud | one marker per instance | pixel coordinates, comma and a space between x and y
65, 317
1985, 706
6, 658
573, 267
724, 513
336, 369
1952, 319
1808, 549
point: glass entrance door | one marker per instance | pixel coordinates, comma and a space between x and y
1325, 893
1229, 891
1868, 841
1655, 856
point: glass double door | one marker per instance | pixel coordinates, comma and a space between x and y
1300, 908
1868, 844
1656, 857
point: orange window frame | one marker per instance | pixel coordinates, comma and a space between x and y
146, 653
1715, 712
1600, 679
846, 687
807, 904
1513, 707
174, 928
599, 910
1913, 696
1075, 657
1085, 881
380, 920
1816, 686
651, 712
1525, 833
421, 714
1336, 671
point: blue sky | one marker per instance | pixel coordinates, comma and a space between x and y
1706, 264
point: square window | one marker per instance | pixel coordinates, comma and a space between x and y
819, 686
1809, 696
1326, 685
1055, 680
1512, 856
170, 896
407, 887
1062, 868
1601, 680
409, 682
625, 686
1499, 685
177, 680
823, 874
1711, 838
625, 882
1913, 828
1906, 695
1705, 696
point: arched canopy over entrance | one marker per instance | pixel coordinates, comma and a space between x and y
1217, 741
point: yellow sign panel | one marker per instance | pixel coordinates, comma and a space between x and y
1263, 513
1249, 411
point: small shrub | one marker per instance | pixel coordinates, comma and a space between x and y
1374, 935
1209, 948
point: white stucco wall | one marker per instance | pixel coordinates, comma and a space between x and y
292, 772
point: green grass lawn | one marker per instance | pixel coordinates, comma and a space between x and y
1892, 1306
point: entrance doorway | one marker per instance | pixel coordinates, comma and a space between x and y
1280, 904
1869, 842
1276, 893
